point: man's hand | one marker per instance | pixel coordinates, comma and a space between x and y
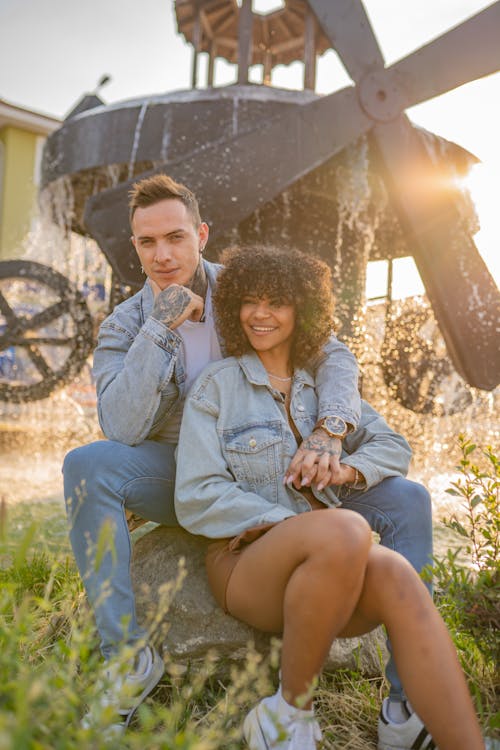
317, 461
175, 304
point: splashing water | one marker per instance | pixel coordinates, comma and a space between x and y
38, 433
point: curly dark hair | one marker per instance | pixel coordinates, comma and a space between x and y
286, 275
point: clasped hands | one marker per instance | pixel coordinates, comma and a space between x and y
317, 462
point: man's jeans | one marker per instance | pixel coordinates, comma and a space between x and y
104, 478
101, 480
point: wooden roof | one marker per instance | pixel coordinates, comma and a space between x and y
280, 33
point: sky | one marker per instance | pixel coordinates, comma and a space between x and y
53, 51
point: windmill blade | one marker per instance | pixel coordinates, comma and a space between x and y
348, 27
463, 54
464, 296
235, 176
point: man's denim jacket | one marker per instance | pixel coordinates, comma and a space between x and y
236, 442
140, 378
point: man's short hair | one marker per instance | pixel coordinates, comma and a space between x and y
161, 187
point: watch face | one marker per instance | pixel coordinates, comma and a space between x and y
335, 425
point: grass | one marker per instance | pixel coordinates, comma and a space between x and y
49, 658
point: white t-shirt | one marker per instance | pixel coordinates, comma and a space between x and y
200, 346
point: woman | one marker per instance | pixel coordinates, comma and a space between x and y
312, 576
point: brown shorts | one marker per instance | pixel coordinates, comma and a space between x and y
223, 555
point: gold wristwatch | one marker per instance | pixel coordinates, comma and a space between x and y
335, 427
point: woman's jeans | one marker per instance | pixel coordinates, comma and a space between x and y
104, 478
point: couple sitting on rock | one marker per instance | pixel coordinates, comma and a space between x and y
231, 408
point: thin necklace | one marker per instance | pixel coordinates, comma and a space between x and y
277, 377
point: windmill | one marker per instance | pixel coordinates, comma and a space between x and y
249, 151
267, 159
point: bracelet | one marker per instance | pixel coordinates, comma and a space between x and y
356, 478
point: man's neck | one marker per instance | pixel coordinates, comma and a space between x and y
199, 281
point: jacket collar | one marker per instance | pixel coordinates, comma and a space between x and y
256, 373
147, 296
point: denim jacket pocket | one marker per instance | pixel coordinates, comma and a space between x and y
253, 452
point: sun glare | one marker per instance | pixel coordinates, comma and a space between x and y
483, 183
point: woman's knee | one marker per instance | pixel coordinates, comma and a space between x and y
389, 572
340, 535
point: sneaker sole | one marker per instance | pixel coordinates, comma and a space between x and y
157, 672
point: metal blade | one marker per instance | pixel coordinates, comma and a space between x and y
233, 177
465, 53
348, 27
464, 296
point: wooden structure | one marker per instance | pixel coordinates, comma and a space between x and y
223, 29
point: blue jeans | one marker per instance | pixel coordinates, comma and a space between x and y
103, 478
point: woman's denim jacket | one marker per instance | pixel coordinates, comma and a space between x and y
140, 379
236, 441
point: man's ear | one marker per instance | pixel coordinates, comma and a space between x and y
203, 232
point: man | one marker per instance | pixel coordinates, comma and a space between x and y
149, 352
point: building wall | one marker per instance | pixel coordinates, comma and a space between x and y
18, 166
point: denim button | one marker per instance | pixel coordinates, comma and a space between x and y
300, 408
252, 442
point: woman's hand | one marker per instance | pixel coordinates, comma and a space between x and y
315, 461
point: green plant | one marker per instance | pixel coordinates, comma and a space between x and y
479, 490
49, 653
467, 580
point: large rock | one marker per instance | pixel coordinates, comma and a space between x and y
194, 622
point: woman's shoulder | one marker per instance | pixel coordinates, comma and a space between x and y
219, 372
214, 384
221, 367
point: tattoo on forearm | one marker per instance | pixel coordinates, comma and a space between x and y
198, 283
170, 303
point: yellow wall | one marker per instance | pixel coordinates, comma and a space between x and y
17, 191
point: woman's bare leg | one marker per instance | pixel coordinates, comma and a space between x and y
303, 578
425, 656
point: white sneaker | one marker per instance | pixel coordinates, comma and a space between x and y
264, 730
125, 691
410, 735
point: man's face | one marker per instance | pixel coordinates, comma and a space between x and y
167, 242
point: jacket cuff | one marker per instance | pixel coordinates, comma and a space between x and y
161, 335
276, 514
369, 471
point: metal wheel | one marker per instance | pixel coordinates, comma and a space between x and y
46, 331
416, 367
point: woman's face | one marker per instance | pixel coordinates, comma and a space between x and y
268, 324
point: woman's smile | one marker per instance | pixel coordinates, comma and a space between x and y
268, 324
